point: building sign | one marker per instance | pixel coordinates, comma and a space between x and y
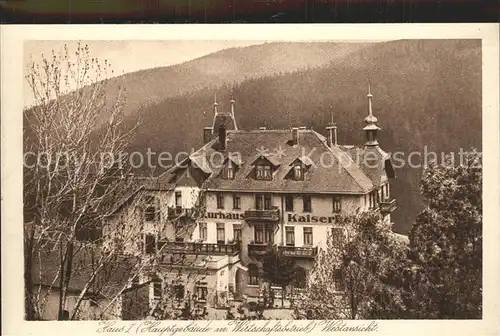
292, 218
295, 218
222, 215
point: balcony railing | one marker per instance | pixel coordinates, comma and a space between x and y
199, 248
271, 215
298, 252
177, 212
387, 207
257, 249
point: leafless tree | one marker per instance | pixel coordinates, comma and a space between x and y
73, 136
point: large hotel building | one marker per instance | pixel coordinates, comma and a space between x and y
220, 208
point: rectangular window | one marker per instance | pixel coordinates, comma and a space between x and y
178, 292
221, 234
259, 172
150, 243
263, 234
201, 291
237, 232
178, 199
308, 236
263, 172
151, 212
307, 203
258, 233
236, 202
228, 171
338, 236
268, 234
253, 273
290, 236
259, 201
336, 204
203, 231
338, 280
267, 202
289, 203
267, 172
220, 201
157, 290
373, 199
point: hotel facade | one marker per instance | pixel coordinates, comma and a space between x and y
245, 190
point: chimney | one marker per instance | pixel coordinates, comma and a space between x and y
207, 134
295, 136
222, 137
332, 134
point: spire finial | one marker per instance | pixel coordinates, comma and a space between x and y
370, 119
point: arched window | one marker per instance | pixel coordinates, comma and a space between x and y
253, 273
300, 277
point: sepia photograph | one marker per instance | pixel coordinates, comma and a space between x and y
333, 179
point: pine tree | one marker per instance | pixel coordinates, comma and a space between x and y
278, 270
353, 271
446, 242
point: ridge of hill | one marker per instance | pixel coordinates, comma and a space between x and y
232, 65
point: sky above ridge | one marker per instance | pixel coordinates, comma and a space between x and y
127, 56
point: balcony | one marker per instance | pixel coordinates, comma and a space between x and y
298, 252
258, 249
199, 248
178, 212
268, 215
388, 206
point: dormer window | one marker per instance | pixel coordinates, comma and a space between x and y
298, 172
228, 171
263, 172
264, 167
299, 168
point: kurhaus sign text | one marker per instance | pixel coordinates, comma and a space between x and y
223, 215
292, 218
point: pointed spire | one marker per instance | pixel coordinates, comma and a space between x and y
331, 132
232, 101
371, 128
215, 103
370, 119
